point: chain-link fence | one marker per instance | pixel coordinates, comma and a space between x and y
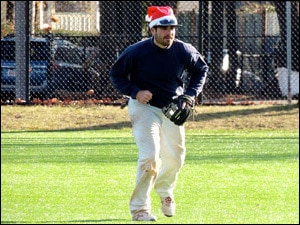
251, 47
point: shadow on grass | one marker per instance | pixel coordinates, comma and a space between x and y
108, 126
242, 158
244, 112
123, 150
197, 117
117, 221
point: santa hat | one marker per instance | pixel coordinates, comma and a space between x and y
161, 16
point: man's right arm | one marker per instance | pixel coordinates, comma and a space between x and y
118, 76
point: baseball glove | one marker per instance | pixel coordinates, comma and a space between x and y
180, 109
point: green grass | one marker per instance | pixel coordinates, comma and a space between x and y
229, 177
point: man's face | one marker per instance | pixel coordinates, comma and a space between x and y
163, 36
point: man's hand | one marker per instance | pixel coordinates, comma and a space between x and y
144, 96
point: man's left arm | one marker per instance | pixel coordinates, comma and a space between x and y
198, 74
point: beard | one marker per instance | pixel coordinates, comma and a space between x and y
164, 41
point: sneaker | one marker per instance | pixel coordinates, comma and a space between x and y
143, 216
168, 206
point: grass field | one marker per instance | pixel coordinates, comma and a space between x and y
82, 172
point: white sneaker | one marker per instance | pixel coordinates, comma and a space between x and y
168, 206
143, 216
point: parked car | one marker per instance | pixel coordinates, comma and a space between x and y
55, 65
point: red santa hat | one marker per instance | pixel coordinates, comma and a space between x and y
161, 16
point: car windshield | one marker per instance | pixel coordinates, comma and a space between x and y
38, 51
8, 50
69, 55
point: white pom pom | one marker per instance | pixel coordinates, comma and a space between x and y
147, 18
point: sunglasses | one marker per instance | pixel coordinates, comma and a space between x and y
166, 22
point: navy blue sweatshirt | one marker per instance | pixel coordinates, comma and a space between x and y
145, 66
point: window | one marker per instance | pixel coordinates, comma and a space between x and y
72, 6
69, 55
8, 50
38, 51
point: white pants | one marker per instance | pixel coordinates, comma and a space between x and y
161, 146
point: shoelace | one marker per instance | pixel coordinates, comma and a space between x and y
140, 215
168, 201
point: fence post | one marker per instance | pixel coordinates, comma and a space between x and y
22, 50
288, 48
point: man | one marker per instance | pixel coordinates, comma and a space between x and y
151, 73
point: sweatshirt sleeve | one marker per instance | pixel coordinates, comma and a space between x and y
119, 75
197, 70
